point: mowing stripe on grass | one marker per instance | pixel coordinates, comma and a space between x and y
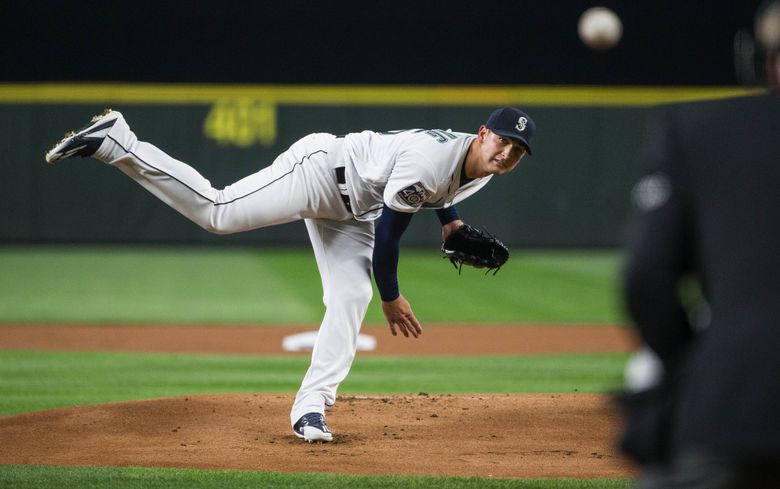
32, 380
34, 477
242, 285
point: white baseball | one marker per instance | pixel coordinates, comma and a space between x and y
600, 28
643, 370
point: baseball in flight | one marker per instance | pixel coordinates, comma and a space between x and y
600, 28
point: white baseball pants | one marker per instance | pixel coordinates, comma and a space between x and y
299, 184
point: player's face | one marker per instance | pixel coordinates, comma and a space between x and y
499, 154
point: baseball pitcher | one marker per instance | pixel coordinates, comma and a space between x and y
357, 194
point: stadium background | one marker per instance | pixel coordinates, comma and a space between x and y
227, 86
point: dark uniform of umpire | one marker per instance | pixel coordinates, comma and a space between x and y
708, 206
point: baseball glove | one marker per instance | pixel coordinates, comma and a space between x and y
479, 249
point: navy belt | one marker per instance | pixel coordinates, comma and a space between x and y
342, 181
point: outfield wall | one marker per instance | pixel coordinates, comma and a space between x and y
572, 192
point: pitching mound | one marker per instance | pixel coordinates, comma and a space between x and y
506, 436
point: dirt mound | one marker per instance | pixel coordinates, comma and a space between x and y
505, 436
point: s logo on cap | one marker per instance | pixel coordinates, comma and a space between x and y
512, 123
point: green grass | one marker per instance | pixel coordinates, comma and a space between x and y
33, 380
244, 285
24, 477
265, 286
157, 284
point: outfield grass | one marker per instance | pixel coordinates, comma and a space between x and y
260, 287
33, 380
245, 285
24, 477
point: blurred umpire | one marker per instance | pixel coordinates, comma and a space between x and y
706, 211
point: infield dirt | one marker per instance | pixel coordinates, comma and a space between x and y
484, 435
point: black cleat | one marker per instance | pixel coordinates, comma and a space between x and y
311, 427
86, 140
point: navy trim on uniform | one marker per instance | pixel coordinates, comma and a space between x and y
298, 163
387, 243
373, 209
447, 214
463, 178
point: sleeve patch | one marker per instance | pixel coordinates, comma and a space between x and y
414, 195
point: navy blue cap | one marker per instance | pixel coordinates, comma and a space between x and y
512, 123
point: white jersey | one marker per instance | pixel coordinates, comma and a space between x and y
406, 170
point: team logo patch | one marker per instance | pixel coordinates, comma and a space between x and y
521, 123
414, 195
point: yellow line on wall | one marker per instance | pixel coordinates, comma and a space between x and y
142, 93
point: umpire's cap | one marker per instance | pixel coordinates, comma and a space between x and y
512, 123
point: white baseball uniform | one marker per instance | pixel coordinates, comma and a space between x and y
405, 170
